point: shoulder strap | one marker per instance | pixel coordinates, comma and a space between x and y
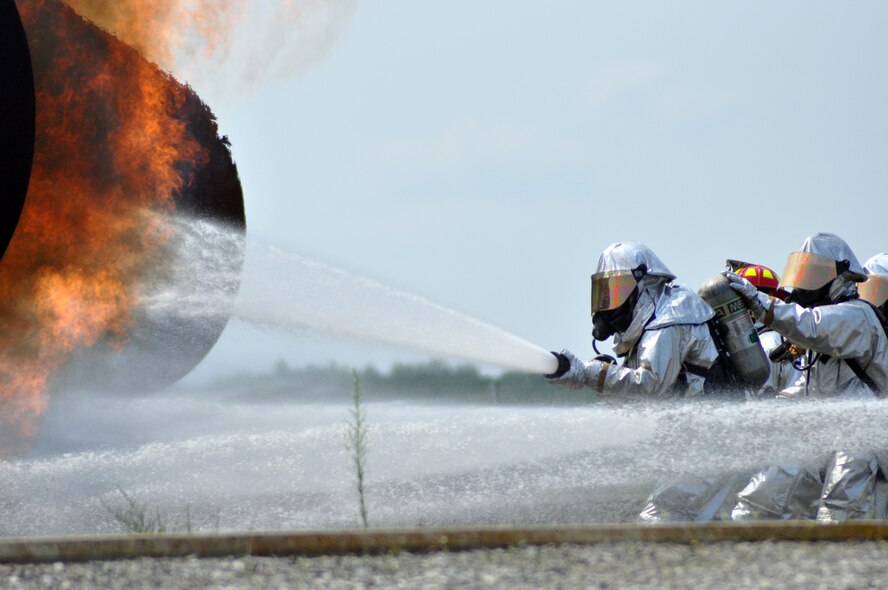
861, 374
724, 356
879, 315
882, 319
855, 366
637, 340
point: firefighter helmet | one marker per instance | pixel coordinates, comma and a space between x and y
764, 279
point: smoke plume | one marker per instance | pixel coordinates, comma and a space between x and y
225, 48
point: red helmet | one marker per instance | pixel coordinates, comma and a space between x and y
764, 279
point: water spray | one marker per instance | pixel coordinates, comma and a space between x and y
285, 291
294, 293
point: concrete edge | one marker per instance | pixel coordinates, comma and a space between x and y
380, 541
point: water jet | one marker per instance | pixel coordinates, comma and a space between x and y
281, 290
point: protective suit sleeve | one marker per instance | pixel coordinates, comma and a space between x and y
841, 330
659, 363
577, 373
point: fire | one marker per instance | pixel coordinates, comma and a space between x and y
112, 143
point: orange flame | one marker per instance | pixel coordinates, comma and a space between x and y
109, 147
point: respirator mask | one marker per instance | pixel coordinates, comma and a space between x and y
614, 295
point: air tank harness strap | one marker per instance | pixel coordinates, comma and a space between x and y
859, 371
862, 375
855, 366
696, 370
727, 364
879, 315
769, 315
681, 385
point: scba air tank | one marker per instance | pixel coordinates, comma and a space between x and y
737, 330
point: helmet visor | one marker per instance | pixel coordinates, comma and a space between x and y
874, 290
805, 270
611, 288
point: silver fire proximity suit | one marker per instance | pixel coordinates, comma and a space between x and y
841, 328
667, 339
877, 265
875, 288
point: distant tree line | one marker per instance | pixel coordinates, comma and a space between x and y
433, 381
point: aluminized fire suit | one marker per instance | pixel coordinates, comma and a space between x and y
667, 341
877, 265
844, 328
875, 288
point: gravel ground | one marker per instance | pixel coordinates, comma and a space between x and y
621, 565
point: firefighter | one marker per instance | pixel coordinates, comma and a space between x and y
875, 288
659, 327
847, 347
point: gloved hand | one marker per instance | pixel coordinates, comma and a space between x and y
757, 301
575, 376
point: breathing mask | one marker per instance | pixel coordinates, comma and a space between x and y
614, 295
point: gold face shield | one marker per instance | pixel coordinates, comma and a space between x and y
610, 289
808, 271
874, 289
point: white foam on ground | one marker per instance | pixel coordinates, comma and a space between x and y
242, 467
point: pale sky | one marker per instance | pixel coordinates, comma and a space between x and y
483, 154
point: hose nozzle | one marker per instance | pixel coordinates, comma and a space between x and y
563, 366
